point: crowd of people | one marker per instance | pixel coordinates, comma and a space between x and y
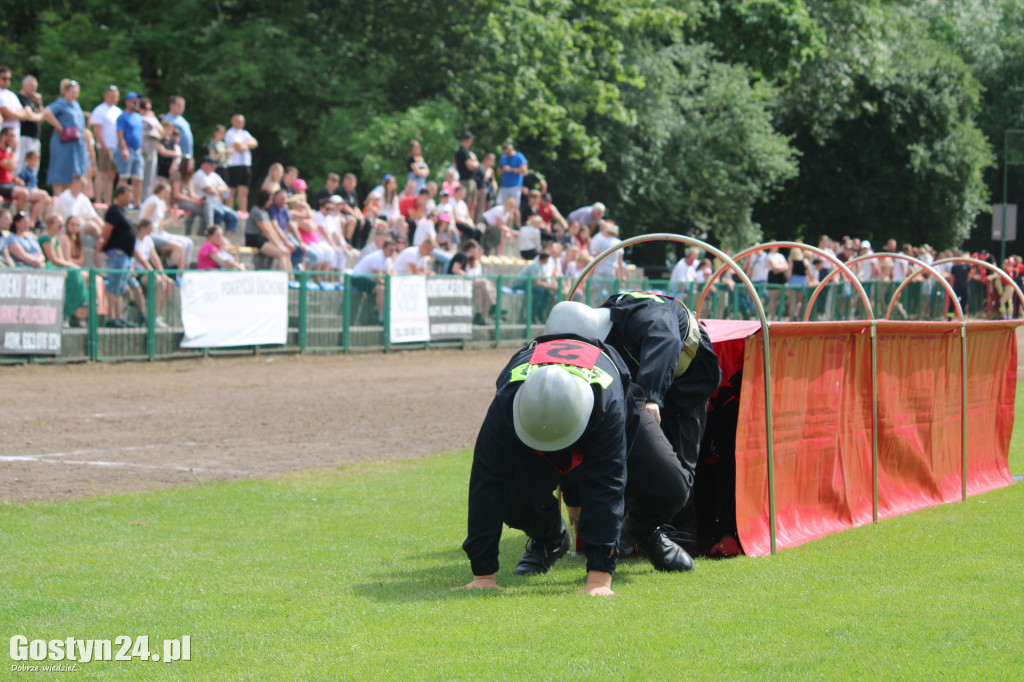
778, 275
408, 223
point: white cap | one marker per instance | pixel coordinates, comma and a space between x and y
579, 318
552, 408
865, 244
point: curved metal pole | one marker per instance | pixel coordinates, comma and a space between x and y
765, 325
985, 264
797, 245
840, 268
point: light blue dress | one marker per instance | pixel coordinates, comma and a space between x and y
66, 158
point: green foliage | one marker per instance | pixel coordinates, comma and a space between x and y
682, 114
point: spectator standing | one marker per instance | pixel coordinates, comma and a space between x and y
118, 243
466, 164
418, 168
486, 185
11, 110
129, 145
217, 148
168, 152
104, 129
240, 144
208, 184
32, 111
588, 216
513, 167
175, 114
152, 134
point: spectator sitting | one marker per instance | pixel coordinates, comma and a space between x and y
414, 208
177, 248
52, 244
214, 254
502, 221
147, 260
72, 241
12, 188
73, 203
549, 212
262, 234
319, 255
413, 259
168, 152
183, 194
542, 286
369, 273
467, 263
354, 224
328, 220
272, 182
530, 242
463, 217
30, 173
209, 184
5, 224
22, 245
451, 181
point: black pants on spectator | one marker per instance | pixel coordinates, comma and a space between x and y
470, 232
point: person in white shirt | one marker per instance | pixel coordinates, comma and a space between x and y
73, 202
611, 269
147, 260
686, 270
328, 220
369, 273
413, 260
177, 247
240, 145
104, 130
206, 183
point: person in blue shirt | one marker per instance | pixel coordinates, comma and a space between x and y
30, 173
128, 156
513, 168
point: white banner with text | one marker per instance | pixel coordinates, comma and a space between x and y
220, 309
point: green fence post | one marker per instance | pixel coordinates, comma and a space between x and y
151, 311
498, 312
93, 321
346, 313
529, 308
387, 313
303, 278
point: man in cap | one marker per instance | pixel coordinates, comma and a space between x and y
207, 183
563, 404
672, 362
128, 155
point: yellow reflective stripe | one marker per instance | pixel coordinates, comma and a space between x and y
643, 294
591, 376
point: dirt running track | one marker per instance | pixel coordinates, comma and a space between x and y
70, 431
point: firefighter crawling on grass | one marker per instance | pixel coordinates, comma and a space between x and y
565, 403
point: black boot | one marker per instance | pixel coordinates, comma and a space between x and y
541, 555
664, 554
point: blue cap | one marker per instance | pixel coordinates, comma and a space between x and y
387, 176
131, 95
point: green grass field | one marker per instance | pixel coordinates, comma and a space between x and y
347, 575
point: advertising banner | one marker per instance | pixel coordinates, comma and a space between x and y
31, 311
220, 309
430, 308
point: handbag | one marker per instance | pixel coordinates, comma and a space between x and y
70, 134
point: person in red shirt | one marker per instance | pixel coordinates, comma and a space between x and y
13, 188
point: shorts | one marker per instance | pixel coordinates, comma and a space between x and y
132, 168
117, 281
470, 186
255, 241
7, 190
363, 283
239, 176
105, 161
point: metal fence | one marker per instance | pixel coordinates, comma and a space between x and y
339, 317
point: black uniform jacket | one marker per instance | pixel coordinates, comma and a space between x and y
603, 446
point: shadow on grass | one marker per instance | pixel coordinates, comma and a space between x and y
449, 569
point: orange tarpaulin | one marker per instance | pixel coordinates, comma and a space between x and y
821, 390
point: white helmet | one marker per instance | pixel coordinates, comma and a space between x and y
552, 408
579, 318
